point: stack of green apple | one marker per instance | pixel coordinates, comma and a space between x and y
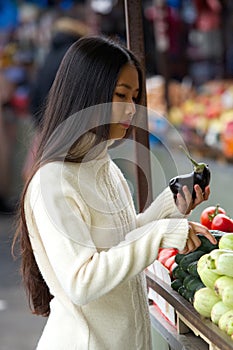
215, 300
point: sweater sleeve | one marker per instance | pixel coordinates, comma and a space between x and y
60, 236
162, 207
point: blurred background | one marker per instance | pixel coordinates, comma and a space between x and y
189, 79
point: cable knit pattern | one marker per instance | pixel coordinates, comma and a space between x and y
92, 249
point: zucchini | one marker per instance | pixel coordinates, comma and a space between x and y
189, 258
192, 269
176, 284
189, 295
178, 272
200, 286
206, 246
181, 290
194, 284
178, 257
187, 279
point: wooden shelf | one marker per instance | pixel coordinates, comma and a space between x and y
169, 332
189, 317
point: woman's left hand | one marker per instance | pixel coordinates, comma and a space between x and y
185, 203
193, 242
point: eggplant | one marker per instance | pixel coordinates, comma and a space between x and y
200, 175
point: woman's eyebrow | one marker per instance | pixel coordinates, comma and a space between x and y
127, 86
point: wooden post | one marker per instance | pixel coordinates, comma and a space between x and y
162, 43
135, 42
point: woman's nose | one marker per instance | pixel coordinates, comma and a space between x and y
131, 109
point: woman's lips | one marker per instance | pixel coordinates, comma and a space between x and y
125, 124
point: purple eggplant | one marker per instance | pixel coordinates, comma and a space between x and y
200, 175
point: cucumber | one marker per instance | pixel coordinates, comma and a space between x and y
206, 245
192, 269
194, 284
176, 284
178, 257
189, 258
200, 286
178, 272
181, 290
187, 279
188, 295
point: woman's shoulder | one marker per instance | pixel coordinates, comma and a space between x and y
53, 180
53, 173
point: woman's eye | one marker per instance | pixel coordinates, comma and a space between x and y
120, 95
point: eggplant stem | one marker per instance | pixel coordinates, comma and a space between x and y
189, 157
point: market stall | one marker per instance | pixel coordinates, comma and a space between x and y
191, 330
191, 294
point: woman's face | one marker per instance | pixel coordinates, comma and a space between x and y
126, 92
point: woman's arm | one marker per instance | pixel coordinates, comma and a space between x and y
61, 240
162, 207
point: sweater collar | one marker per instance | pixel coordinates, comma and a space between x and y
88, 150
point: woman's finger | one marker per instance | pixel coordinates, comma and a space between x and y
199, 228
207, 193
181, 203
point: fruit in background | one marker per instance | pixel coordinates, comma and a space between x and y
176, 116
226, 241
226, 322
226, 116
227, 297
165, 253
227, 139
202, 123
213, 110
213, 257
222, 283
218, 310
169, 263
207, 276
166, 256
209, 213
225, 263
222, 222
204, 300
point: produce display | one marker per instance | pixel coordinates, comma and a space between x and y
215, 300
204, 277
203, 115
185, 277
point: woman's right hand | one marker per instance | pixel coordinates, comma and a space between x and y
193, 242
186, 203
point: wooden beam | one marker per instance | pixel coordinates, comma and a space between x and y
135, 42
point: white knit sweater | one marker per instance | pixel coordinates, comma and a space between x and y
92, 249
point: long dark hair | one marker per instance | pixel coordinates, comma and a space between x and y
86, 77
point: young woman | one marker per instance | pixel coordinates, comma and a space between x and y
83, 247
